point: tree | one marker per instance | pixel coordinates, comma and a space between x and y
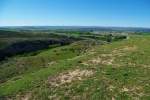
109, 38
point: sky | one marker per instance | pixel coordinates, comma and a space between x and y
122, 13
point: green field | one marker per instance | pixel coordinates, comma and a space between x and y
83, 70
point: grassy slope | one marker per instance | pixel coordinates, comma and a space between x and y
121, 71
26, 64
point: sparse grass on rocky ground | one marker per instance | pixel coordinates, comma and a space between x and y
115, 71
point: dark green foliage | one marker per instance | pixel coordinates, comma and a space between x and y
121, 37
109, 38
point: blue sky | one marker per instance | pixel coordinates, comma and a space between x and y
134, 13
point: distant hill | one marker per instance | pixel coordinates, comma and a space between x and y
76, 28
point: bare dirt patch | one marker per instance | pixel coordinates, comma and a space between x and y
124, 89
27, 96
135, 90
109, 59
69, 76
125, 49
101, 60
96, 60
122, 51
111, 88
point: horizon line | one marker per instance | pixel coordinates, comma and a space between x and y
73, 26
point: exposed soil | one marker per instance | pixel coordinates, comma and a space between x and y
69, 76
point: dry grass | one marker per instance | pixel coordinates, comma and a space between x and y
69, 76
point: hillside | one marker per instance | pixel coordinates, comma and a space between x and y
83, 70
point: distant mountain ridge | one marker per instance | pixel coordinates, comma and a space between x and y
76, 28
